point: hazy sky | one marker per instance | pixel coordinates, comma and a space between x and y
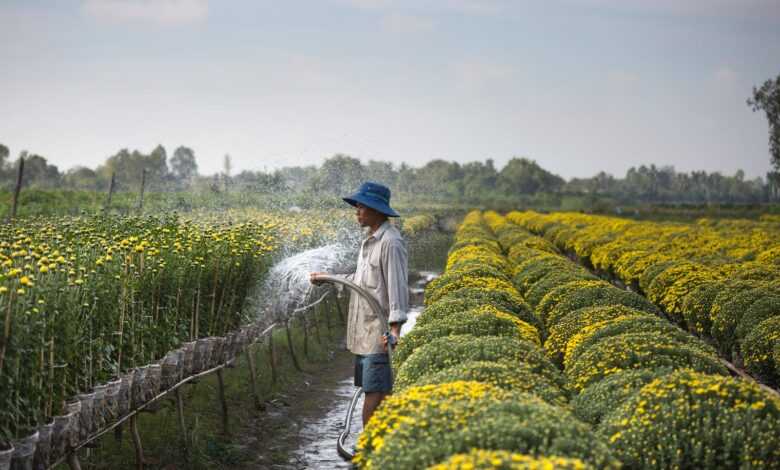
578, 85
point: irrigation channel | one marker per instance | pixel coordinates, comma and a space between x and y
308, 420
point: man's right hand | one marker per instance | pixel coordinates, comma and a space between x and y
313, 278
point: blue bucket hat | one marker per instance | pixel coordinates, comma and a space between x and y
373, 195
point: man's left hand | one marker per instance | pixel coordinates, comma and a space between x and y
391, 338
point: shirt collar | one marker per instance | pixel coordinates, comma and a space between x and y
380, 231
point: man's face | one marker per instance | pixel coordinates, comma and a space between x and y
367, 216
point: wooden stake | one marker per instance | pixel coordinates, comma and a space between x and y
182, 425
139, 450
305, 326
17, 188
341, 312
316, 324
272, 356
110, 191
291, 348
141, 196
250, 355
73, 461
223, 402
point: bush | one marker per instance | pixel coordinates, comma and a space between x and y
503, 300
595, 296
690, 420
649, 324
480, 459
697, 306
727, 313
443, 353
599, 399
543, 286
479, 254
461, 303
563, 331
511, 377
557, 295
653, 270
481, 321
637, 351
436, 290
759, 347
760, 310
413, 430
534, 269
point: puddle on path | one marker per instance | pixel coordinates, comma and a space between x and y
314, 432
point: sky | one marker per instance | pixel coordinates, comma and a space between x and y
579, 86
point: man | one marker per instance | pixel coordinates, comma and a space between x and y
382, 272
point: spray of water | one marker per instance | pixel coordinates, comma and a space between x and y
287, 289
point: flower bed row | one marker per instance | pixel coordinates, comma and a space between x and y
718, 279
99, 314
657, 394
473, 386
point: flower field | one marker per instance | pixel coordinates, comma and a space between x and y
718, 279
524, 359
88, 304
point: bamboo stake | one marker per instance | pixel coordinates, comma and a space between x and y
182, 425
17, 188
250, 355
139, 450
291, 348
223, 402
271, 356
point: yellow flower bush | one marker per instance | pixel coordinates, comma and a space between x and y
480, 459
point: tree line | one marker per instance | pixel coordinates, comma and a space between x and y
479, 182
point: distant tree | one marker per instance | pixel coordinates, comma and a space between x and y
479, 179
37, 171
339, 175
184, 167
524, 176
767, 98
81, 177
439, 179
4, 152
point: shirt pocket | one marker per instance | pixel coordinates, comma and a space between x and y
373, 270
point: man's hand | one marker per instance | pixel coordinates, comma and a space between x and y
395, 333
314, 278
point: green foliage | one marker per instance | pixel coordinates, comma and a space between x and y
572, 324
601, 398
554, 279
511, 377
759, 347
639, 351
690, 420
596, 296
443, 353
727, 314
697, 306
518, 423
480, 321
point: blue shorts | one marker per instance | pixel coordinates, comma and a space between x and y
372, 372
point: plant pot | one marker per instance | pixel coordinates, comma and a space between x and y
217, 348
24, 452
124, 398
112, 400
188, 359
86, 417
5, 457
137, 391
152, 384
99, 407
43, 449
74, 426
202, 356
171, 370
60, 435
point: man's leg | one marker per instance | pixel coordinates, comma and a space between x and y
370, 404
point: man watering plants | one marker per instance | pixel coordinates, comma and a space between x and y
382, 272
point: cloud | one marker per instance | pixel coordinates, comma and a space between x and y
407, 24
164, 12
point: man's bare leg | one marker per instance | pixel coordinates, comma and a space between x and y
370, 404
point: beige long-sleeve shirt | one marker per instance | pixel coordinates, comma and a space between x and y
382, 271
